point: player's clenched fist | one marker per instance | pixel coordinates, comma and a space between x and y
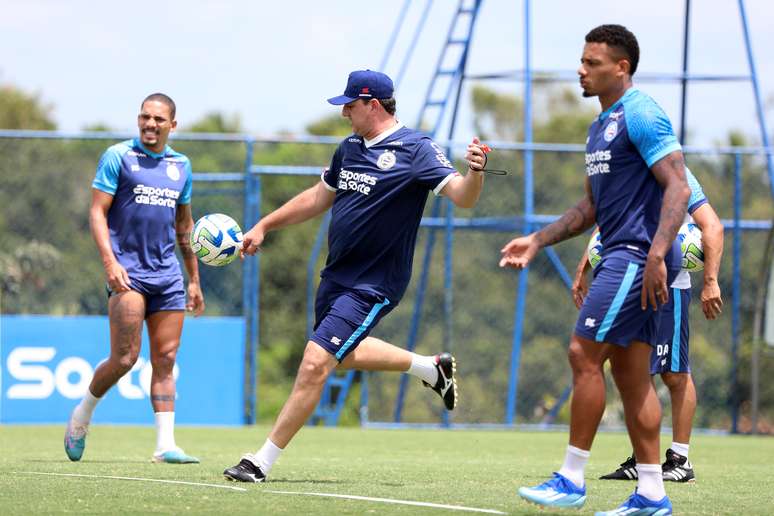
476, 155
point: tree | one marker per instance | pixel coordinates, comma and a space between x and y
217, 122
331, 125
21, 110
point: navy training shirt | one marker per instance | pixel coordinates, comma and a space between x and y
146, 189
381, 187
623, 143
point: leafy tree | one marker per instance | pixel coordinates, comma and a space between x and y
216, 122
21, 110
331, 125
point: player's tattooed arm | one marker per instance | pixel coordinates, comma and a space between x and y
183, 227
670, 174
162, 397
183, 232
575, 221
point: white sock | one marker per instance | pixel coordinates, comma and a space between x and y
267, 456
650, 482
680, 448
423, 368
165, 432
84, 410
574, 465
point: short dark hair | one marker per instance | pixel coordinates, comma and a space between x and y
164, 99
389, 104
619, 38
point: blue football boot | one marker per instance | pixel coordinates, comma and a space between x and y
637, 505
557, 492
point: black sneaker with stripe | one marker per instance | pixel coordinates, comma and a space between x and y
245, 471
446, 385
677, 468
627, 471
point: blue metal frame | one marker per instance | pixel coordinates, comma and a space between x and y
250, 287
252, 198
412, 46
757, 94
529, 208
528, 222
736, 292
394, 35
684, 80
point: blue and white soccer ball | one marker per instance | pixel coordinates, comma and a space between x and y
594, 250
689, 237
216, 239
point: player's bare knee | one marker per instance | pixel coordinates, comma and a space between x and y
580, 362
125, 361
163, 363
312, 372
675, 381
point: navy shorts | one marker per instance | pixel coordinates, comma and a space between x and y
671, 353
612, 312
344, 317
163, 293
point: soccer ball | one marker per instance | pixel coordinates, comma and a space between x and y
216, 239
594, 250
689, 237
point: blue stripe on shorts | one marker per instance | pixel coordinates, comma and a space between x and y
363, 327
620, 296
678, 314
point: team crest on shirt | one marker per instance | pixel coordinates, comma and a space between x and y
610, 131
173, 173
387, 160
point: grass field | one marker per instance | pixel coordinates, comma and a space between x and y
474, 469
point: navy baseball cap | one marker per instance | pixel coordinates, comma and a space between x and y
365, 84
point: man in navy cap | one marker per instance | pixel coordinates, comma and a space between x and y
377, 185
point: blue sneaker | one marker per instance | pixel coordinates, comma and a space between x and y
557, 492
175, 456
637, 505
75, 440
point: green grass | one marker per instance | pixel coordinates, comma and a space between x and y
470, 468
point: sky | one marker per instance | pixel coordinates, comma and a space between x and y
275, 63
